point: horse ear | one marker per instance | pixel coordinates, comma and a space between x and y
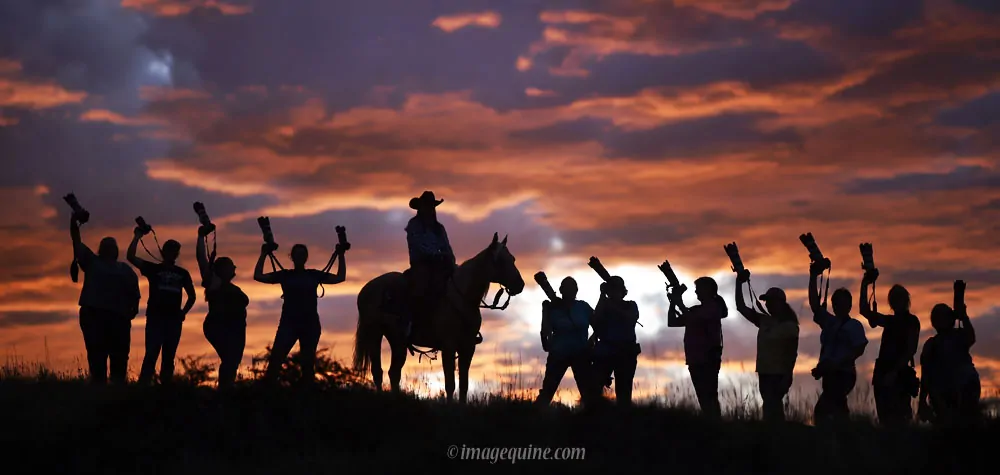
496, 238
504, 243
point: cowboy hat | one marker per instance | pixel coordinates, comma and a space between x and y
425, 199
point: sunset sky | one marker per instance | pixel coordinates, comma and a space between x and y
633, 130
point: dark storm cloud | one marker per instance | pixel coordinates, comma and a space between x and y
107, 175
571, 131
855, 17
991, 6
762, 63
961, 178
932, 70
976, 277
979, 112
27, 318
699, 137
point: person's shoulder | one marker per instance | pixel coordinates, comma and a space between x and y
584, 305
912, 320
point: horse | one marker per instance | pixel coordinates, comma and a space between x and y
452, 326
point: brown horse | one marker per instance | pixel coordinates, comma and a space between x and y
452, 327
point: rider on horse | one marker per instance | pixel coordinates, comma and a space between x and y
432, 260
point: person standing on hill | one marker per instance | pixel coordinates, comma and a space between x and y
616, 350
225, 325
777, 345
164, 315
702, 340
894, 379
109, 301
842, 342
565, 327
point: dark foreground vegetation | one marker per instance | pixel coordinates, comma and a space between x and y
60, 424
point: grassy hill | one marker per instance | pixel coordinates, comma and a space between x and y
60, 423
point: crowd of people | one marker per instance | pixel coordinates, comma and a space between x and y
947, 390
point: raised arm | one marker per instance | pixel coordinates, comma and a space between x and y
814, 304
676, 315
204, 266
341, 275
130, 255
748, 313
874, 318
81, 252
258, 270
962, 313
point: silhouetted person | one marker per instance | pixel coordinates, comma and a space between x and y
950, 384
842, 342
702, 340
616, 350
777, 345
432, 260
164, 315
109, 301
299, 313
565, 329
225, 325
893, 374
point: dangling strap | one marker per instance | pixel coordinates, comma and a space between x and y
756, 301
826, 293
329, 265
158, 247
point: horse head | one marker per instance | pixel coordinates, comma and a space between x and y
504, 271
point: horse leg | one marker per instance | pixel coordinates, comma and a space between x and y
396, 366
448, 363
375, 353
464, 362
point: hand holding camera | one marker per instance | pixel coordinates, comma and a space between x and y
206, 224
743, 276
142, 228
265, 228
79, 214
342, 244
819, 262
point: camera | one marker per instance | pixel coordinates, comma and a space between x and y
143, 226
734, 257
265, 227
668, 272
867, 257
341, 238
199, 208
814, 253
81, 214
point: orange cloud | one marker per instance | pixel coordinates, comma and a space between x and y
21, 92
169, 8
451, 23
103, 115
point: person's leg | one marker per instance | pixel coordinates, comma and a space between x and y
308, 343
770, 396
235, 344
583, 373
120, 337
968, 402
284, 340
171, 339
625, 364
94, 341
844, 383
154, 342
555, 369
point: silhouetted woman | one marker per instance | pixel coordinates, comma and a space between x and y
225, 325
777, 345
893, 372
702, 340
616, 350
299, 314
950, 382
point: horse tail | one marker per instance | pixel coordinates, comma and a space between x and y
366, 338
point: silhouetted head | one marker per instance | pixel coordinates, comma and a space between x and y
842, 302
224, 268
426, 205
108, 249
171, 250
776, 303
706, 289
899, 299
505, 271
568, 289
615, 288
299, 255
942, 318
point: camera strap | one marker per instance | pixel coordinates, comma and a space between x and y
158, 248
275, 263
826, 293
872, 303
756, 301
